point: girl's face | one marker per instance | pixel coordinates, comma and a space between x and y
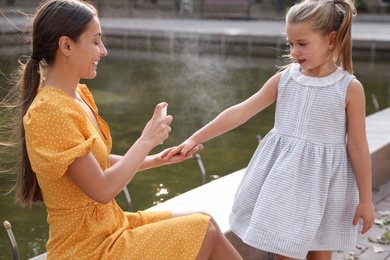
88, 50
312, 50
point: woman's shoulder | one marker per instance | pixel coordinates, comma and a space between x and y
51, 102
52, 96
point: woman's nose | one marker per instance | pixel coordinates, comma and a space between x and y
103, 50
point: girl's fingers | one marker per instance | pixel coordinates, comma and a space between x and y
165, 152
173, 152
355, 221
195, 149
186, 149
367, 226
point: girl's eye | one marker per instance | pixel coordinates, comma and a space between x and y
302, 44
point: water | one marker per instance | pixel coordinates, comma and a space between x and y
127, 88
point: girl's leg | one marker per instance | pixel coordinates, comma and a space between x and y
312, 255
319, 255
215, 245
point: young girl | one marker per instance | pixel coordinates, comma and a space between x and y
309, 181
66, 154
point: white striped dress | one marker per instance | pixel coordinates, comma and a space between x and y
299, 192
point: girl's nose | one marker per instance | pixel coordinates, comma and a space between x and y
293, 51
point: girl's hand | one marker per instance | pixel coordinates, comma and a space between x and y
366, 212
157, 129
178, 157
183, 149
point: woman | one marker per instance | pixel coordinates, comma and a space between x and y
66, 154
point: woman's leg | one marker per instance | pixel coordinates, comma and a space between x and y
215, 245
208, 243
222, 248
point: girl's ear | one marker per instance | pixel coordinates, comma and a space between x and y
64, 44
332, 40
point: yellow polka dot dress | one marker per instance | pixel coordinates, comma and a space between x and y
57, 132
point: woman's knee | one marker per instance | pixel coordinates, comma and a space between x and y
208, 243
211, 233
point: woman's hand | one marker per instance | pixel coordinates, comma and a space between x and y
183, 149
158, 128
174, 155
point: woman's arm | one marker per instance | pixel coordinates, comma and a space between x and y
156, 160
103, 186
359, 153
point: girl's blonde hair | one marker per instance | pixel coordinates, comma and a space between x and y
326, 16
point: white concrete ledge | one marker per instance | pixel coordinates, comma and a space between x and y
378, 130
378, 136
39, 257
214, 197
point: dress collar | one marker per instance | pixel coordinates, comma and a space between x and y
301, 78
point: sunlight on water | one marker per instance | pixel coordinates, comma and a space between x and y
161, 194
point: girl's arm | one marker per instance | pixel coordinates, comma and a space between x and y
359, 153
232, 117
103, 186
155, 160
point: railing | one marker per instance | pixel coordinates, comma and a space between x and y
14, 245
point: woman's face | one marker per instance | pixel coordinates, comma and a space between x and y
87, 50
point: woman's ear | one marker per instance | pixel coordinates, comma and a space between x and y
64, 44
332, 37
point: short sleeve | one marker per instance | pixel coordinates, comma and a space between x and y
56, 134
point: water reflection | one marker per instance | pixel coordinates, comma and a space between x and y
127, 88
161, 194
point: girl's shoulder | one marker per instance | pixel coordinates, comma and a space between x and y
355, 87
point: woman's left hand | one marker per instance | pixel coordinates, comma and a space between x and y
178, 157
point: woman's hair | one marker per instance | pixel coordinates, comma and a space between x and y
326, 16
52, 20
